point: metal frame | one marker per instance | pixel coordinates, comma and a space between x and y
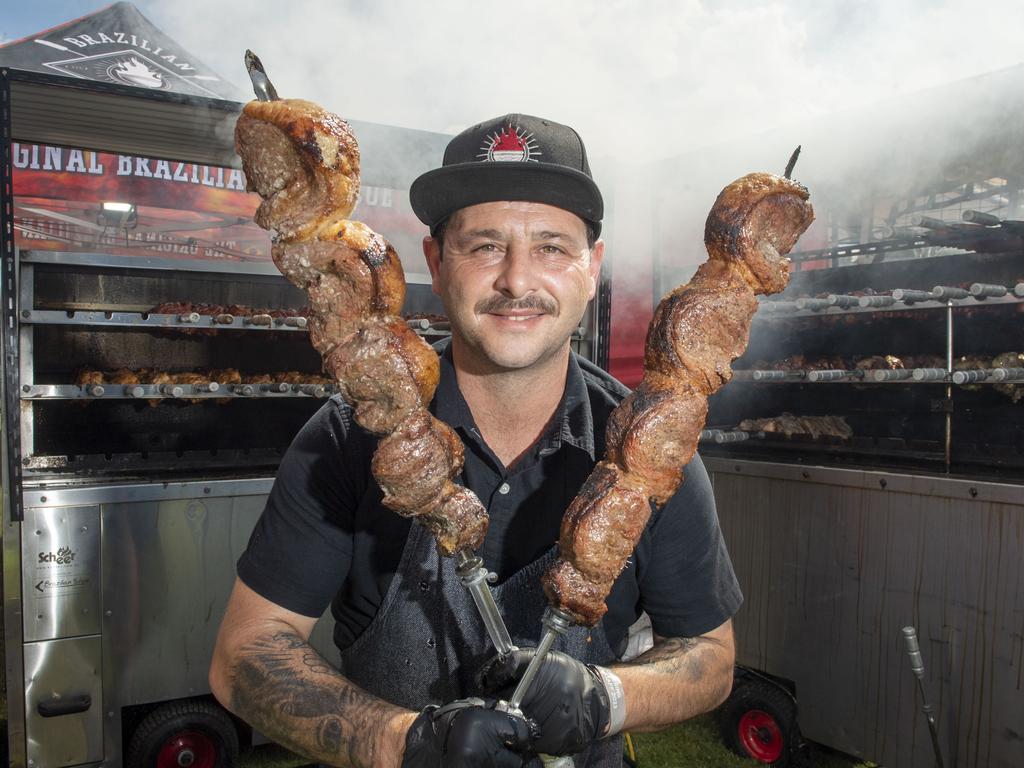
603, 326
10, 465
9, 299
145, 492
104, 260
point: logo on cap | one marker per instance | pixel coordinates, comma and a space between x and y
509, 145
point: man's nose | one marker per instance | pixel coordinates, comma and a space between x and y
517, 276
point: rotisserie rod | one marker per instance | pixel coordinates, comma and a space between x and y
304, 163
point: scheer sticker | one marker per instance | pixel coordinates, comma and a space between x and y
510, 145
58, 572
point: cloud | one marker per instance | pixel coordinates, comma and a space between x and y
642, 81
653, 76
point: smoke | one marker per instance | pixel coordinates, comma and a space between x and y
726, 85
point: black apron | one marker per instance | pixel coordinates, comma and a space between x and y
427, 641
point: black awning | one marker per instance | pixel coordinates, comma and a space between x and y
118, 45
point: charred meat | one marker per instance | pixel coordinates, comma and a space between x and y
304, 163
696, 332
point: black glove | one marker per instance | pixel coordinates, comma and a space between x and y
467, 733
567, 699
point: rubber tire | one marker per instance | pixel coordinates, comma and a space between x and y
761, 695
191, 715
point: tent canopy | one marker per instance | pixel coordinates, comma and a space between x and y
118, 45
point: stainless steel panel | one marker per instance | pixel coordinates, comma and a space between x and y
833, 571
926, 485
168, 568
63, 672
13, 647
124, 494
108, 319
60, 572
150, 262
157, 392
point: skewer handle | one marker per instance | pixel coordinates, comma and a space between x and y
842, 300
949, 292
877, 301
1002, 374
474, 577
909, 295
984, 290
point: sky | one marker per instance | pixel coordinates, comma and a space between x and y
641, 76
641, 80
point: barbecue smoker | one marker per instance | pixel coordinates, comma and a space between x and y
868, 464
156, 367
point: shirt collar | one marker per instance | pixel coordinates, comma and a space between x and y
573, 423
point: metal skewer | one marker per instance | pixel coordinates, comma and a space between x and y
792, 162
555, 624
474, 577
265, 90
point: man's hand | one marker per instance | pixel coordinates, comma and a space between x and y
568, 700
466, 734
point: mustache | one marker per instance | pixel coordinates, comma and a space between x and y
504, 304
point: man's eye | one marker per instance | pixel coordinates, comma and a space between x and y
551, 249
486, 248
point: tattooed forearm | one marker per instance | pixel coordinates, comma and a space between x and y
678, 678
283, 688
687, 656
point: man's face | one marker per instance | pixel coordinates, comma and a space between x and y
515, 279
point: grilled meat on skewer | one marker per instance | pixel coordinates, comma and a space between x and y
787, 424
304, 163
697, 331
878, 363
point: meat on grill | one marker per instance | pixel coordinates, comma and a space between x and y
238, 310
787, 424
223, 376
304, 163
696, 332
1009, 360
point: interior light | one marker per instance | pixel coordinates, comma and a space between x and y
118, 215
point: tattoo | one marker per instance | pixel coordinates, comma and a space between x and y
283, 688
690, 657
680, 655
682, 677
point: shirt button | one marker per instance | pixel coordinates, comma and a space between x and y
504, 488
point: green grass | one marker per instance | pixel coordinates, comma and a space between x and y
695, 744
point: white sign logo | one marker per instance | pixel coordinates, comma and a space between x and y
511, 145
134, 72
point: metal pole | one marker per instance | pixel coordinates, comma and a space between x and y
917, 667
949, 386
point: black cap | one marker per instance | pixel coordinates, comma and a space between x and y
515, 157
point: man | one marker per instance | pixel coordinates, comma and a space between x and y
514, 217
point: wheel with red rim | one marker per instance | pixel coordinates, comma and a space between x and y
184, 734
758, 721
760, 735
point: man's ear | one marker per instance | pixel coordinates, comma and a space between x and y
432, 253
596, 256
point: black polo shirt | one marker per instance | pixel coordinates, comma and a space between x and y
325, 538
